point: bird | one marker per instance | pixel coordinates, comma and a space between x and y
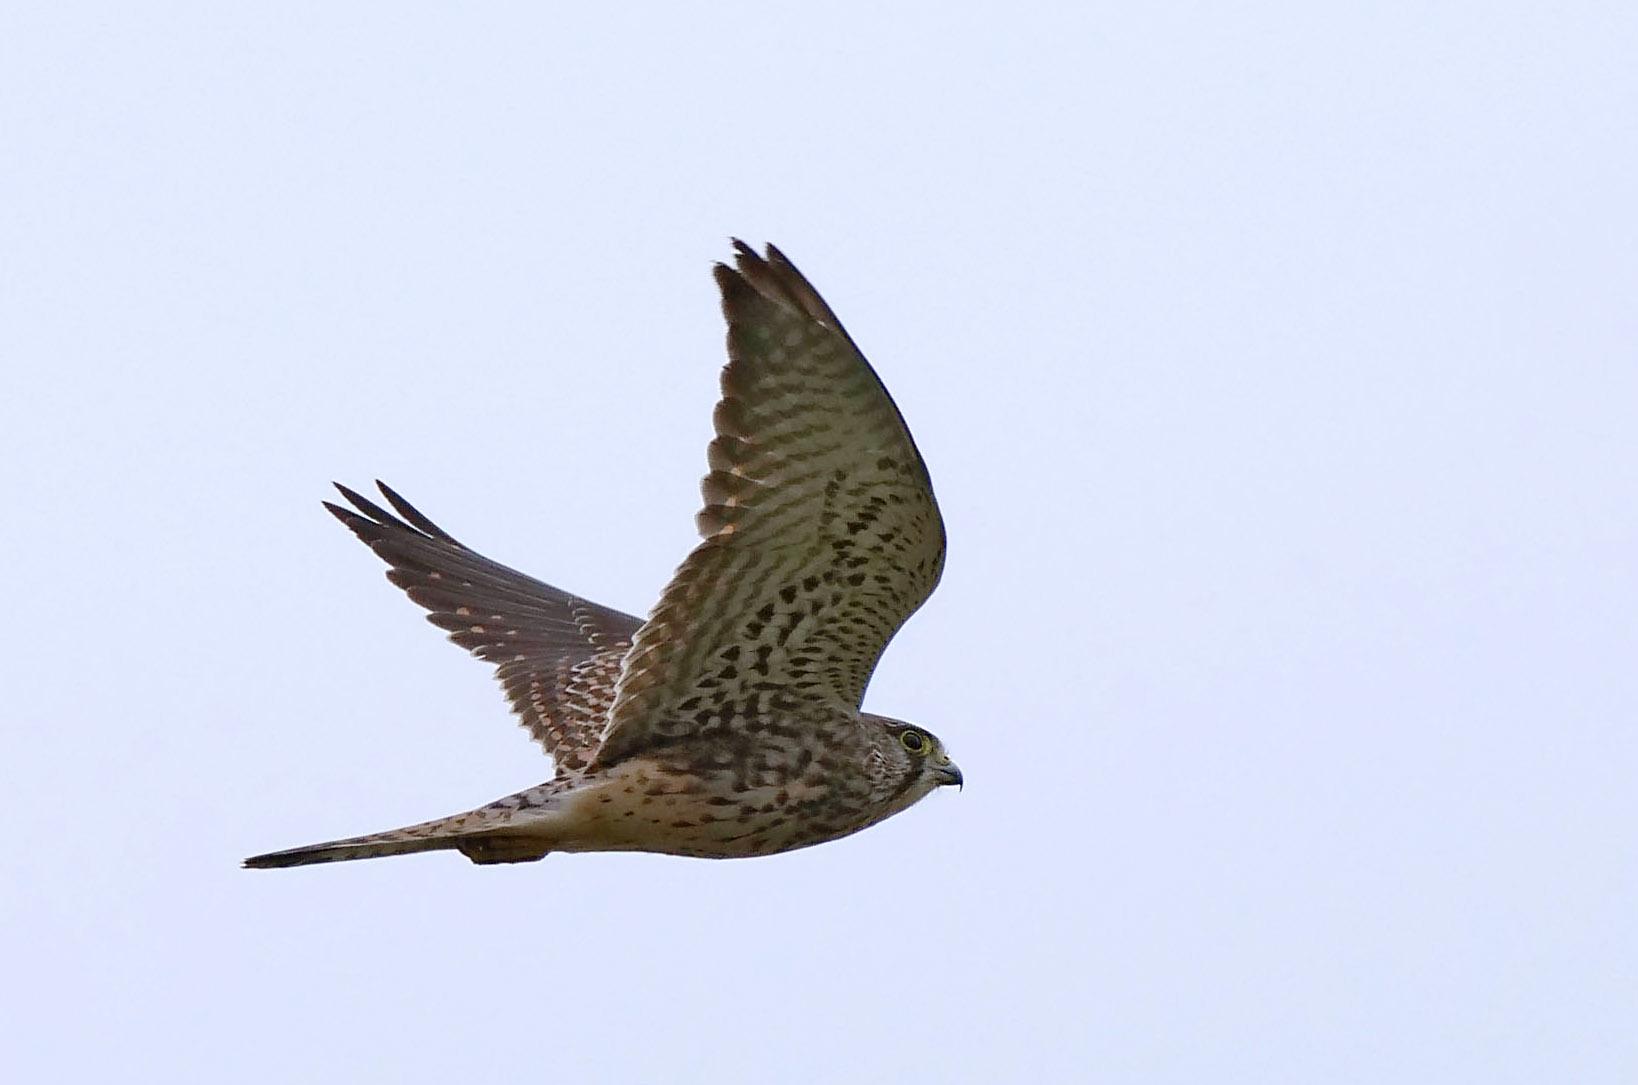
729, 723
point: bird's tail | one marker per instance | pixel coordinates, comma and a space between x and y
481, 838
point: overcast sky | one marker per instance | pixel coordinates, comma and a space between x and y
1277, 369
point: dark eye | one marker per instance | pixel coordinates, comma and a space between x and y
913, 741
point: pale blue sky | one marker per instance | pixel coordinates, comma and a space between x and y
1277, 368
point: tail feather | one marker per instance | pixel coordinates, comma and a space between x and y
481, 845
357, 847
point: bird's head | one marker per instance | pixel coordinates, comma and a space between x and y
914, 760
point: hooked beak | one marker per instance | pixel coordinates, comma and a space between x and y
948, 774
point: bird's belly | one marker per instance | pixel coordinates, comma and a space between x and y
720, 816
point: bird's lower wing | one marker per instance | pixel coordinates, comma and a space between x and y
557, 655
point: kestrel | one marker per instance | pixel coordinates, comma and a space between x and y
728, 724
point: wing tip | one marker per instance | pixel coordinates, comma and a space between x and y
770, 275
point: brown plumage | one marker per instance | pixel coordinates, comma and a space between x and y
728, 723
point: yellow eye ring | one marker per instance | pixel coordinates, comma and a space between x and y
914, 741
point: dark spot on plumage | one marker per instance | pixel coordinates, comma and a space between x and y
766, 613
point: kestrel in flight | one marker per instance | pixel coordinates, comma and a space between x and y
728, 723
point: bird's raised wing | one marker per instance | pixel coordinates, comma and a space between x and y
821, 532
557, 655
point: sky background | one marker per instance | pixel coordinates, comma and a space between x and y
1277, 369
